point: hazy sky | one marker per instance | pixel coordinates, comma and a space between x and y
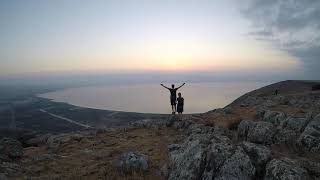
124, 36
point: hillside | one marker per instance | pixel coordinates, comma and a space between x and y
261, 135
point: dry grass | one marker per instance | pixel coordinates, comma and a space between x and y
230, 121
95, 158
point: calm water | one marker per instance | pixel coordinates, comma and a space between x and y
152, 98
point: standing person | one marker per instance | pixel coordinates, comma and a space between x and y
173, 96
180, 101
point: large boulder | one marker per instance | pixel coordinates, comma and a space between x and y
290, 129
10, 149
237, 167
133, 162
312, 167
274, 117
257, 132
188, 161
285, 169
260, 155
310, 138
218, 151
201, 156
286, 136
296, 124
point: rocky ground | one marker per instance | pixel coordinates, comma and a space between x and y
259, 136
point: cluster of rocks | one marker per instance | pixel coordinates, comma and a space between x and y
11, 150
211, 153
132, 162
303, 132
262, 102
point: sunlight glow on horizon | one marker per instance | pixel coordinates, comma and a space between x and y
132, 37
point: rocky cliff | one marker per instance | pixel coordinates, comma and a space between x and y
261, 135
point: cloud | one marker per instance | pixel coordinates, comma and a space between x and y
290, 25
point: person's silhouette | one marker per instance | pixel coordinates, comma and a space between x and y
180, 105
173, 96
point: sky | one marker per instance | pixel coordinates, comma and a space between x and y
199, 38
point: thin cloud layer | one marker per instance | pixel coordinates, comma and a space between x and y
291, 25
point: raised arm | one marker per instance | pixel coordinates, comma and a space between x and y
164, 86
181, 85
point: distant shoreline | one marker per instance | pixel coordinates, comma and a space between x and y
150, 99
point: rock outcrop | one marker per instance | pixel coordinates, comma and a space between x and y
260, 155
310, 138
283, 169
132, 162
256, 132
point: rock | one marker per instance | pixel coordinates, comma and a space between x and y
10, 148
174, 147
149, 123
285, 169
182, 124
256, 132
309, 140
286, 136
274, 117
200, 156
219, 150
171, 120
198, 129
269, 103
164, 172
133, 162
238, 166
244, 127
263, 133
294, 123
188, 162
312, 167
260, 155
39, 140
290, 129
282, 100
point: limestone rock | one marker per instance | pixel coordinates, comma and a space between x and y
219, 150
260, 155
188, 162
237, 167
256, 132
174, 147
274, 117
294, 123
310, 138
284, 169
131, 162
